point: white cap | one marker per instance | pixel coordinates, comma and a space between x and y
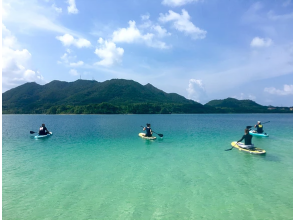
258, 121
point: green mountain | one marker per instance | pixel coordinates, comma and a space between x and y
116, 96
243, 106
76, 97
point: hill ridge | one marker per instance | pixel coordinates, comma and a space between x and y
113, 96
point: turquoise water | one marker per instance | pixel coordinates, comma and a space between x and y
96, 167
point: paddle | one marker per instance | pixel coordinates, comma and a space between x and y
248, 127
32, 132
160, 135
232, 147
253, 125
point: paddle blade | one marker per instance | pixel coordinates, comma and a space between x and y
228, 149
32, 132
249, 127
160, 135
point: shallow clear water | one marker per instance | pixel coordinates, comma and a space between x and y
96, 167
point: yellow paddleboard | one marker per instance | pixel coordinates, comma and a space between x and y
251, 151
142, 135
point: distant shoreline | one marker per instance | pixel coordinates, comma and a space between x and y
162, 114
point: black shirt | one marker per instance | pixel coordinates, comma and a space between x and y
247, 138
148, 132
43, 130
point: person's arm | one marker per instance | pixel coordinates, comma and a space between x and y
151, 131
241, 138
144, 129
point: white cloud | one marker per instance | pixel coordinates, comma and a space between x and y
73, 72
288, 90
183, 24
161, 32
79, 63
71, 8
175, 3
132, 34
158, 30
8, 39
127, 35
157, 44
196, 90
15, 63
59, 10
69, 59
68, 40
261, 42
109, 53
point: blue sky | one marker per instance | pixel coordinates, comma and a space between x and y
200, 49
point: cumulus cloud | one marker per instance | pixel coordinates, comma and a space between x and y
261, 42
127, 35
182, 23
71, 8
287, 90
132, 34
15, 63
161, 32
175, 3
68, 40
69, 59
79, 63
108, 53
196, 90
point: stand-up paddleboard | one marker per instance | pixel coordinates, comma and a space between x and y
254, 150
258, 134
43, 136
142, 135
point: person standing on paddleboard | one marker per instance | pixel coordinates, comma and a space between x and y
43, 130
259, 127
148, 130
248, 138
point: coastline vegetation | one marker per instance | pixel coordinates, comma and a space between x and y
116, 96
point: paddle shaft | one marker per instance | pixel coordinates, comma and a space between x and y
232, 147
263, 123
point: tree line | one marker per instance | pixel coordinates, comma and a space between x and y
140, 108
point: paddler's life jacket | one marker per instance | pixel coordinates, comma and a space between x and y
42, 130
259, 128
148, 132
